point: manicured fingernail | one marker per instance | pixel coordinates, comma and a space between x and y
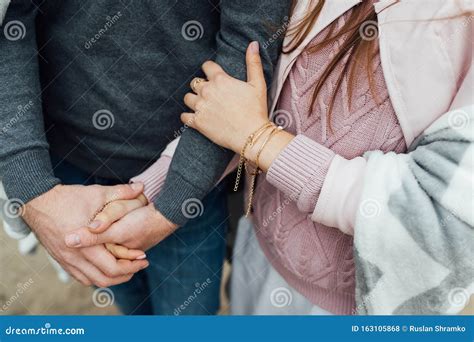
73, 240
95, 224
136, 186
254, 47
141, 257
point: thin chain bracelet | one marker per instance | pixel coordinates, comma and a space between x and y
249, 142
253, 180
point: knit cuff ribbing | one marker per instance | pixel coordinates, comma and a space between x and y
29, 175
154, 177
300, 169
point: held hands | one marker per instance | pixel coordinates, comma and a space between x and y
126, 227
228, 110
65, 207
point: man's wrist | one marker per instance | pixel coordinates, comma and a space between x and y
28, 175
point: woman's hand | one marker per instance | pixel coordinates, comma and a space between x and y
113, 212
228, 110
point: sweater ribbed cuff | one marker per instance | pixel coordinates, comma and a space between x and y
29, 175
178, 199
154, 177
300, 169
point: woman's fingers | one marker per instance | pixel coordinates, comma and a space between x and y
190, 100
122, 252
114, 211
254, 67
188, 119
212, 69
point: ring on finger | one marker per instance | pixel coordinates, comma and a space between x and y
195, 82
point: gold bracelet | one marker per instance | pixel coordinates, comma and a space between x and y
253, 180
274, 132
249, 142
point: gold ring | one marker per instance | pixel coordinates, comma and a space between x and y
195, 82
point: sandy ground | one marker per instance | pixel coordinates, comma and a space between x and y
29, 286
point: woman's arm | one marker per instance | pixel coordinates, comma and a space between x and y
229, 110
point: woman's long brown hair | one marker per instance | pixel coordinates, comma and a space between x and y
359, 45
357, 49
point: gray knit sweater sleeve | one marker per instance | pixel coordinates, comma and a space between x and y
198, 163
25, 166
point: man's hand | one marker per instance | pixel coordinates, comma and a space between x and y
66, 207
140, 229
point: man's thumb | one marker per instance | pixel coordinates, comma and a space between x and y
82, 237
254, 66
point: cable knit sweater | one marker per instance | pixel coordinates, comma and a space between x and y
315, 259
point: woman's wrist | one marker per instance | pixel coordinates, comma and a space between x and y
245, 133
270, 151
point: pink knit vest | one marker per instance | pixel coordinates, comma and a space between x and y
315, 259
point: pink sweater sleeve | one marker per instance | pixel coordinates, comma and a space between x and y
299, 171
154, 177
322, 183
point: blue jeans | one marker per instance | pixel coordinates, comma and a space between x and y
185, 269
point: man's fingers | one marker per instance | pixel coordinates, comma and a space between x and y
254, 67
123, 191
98, 278
190, 100
78, 275
109, 265
212, 69
113, 212
122, 252
82, 237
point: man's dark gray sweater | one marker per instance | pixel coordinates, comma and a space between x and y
101, 84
